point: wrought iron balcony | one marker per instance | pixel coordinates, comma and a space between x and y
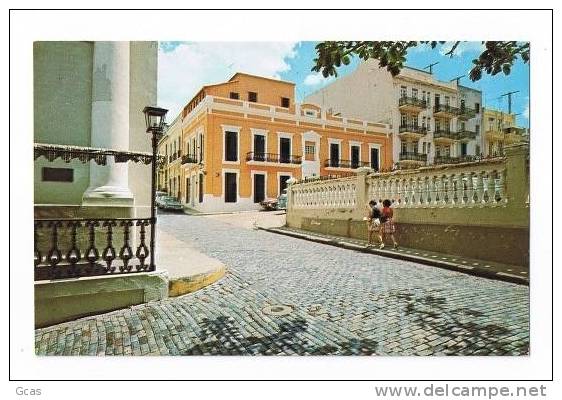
189, 159
71, 248
455, 160
412, 156
465, 134
445, 110
334, 163
445, 134
466, 113
175, 156
273, 158
412, 130
411, 103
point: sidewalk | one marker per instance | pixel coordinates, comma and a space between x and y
485, 269
188, 269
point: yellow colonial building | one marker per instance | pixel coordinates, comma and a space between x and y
241, 141
500, 129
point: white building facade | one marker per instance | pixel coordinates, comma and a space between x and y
432, 121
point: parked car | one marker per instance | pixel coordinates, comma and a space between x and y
282, 200
168, 203
269, 204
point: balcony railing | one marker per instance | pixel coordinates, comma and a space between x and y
455, 160
465, 134
72, 248
273, 158
422, 130
411, 156
466, 113
189, 159
412, 101
444, 134
333, 163
445, 108
175, 156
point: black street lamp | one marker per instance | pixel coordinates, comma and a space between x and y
155, 118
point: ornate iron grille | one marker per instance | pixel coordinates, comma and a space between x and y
72, 248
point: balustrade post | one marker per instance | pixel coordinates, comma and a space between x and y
290, 199
361, 195
451, 190
491, 187
470, 189
434, 185
480, 188
517, 182
460, 189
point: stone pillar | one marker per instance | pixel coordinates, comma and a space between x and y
517, 182
361, 192
110, 124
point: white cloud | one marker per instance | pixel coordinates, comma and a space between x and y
317, 78
526, 112
183, 69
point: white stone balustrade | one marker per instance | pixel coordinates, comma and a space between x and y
473, 184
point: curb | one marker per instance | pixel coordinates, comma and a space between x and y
499, 276
189, 284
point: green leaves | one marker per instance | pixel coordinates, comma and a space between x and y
497, 57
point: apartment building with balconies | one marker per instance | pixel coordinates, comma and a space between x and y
500, 129
241, 140
431, 121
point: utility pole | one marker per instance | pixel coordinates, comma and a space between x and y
430, 66
508, 94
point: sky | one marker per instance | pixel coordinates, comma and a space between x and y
184, 67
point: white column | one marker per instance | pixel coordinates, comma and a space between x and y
109, 184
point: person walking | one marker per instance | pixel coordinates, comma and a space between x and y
373, 222
387, 223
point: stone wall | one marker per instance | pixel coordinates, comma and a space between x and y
478, 209
65, 300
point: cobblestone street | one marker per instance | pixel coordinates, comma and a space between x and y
285, 296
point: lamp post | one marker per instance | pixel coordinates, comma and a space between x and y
154, 118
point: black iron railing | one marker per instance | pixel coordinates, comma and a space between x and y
335, 163
175, 156
411, 156
72, 248
445, 108
189, 159
444, 134
412, 128
455, 160
466, 113
79, 247
412, 101
273, 158
465, 134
